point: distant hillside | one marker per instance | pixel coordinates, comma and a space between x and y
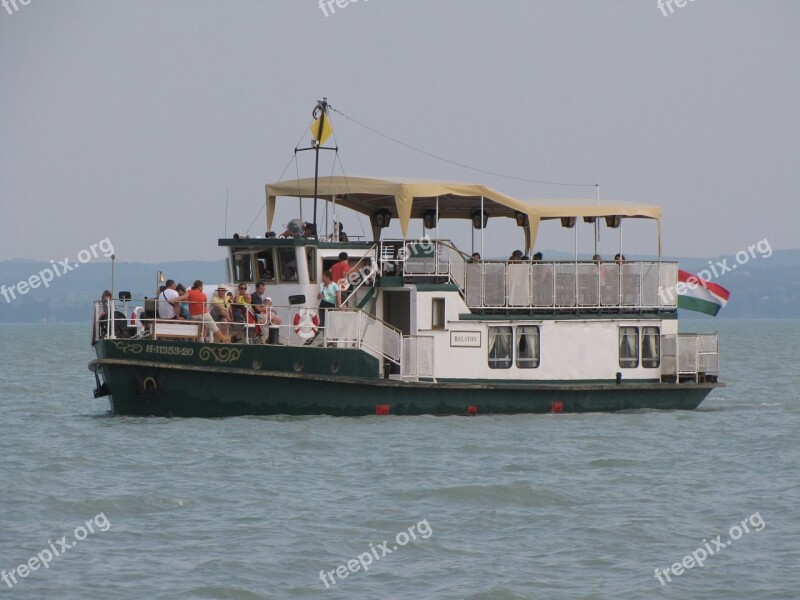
763, 287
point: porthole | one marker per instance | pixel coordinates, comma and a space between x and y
256, 364
298, 365
335, 366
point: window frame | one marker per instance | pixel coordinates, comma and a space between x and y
656, 334
281, 265
531, 362
507, 361
623, 332
438, 306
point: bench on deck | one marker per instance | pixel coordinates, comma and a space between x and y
176, 330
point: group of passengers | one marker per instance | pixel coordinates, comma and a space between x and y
176, 302
224, 309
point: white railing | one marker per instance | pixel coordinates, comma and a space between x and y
569, 285
356, 328
557, 285
418, 357
418, 258
690, 356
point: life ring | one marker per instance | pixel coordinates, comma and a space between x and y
306, 324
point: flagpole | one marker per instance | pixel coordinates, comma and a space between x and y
323, 108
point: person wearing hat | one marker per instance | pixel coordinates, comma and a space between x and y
221, 309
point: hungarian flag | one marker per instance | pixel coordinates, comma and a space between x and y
695, 293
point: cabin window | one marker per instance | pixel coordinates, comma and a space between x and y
265, 265
287, 264
500, 348
651, 347
311, 259
437, 313
242, 266
628, 347
527, 347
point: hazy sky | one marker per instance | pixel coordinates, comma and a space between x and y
128, 119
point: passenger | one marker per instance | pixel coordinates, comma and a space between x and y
169, 300
525, 258
309, 231
119, 319
597, 259
184, 306
241, 303
340, 270
537, 257
476, 257
221, 309
330, 296
257, 303
619, 258
198, 309
342, 235
273, 321
516, 256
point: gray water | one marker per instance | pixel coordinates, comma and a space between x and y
536, 506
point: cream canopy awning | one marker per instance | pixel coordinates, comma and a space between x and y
406, 200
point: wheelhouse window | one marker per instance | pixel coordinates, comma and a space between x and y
311, 259
265, 265
651, 347
287, 264
500, 348
437, 313
527, 343
242, 265
628, 347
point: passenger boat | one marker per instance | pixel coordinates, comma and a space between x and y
426, 328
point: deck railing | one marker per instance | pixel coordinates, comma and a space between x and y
344, 328
690, 357
418, 357
553, 285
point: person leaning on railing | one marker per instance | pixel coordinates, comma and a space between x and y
330, 296
198, 309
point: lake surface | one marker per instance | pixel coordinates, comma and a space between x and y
534, 506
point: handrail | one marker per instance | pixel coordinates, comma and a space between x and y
371, 275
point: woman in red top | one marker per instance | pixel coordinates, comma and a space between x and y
198, 311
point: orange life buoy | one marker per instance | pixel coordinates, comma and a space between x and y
306, 323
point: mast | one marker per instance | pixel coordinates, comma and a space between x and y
320, 111
320, 130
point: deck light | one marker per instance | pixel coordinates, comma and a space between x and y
589, 219
568, 222
236, 236
613, 221
476, 220
429, 219
522, 219
382, 218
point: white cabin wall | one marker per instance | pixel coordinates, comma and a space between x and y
569, 350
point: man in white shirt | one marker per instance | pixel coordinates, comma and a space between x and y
167, 301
